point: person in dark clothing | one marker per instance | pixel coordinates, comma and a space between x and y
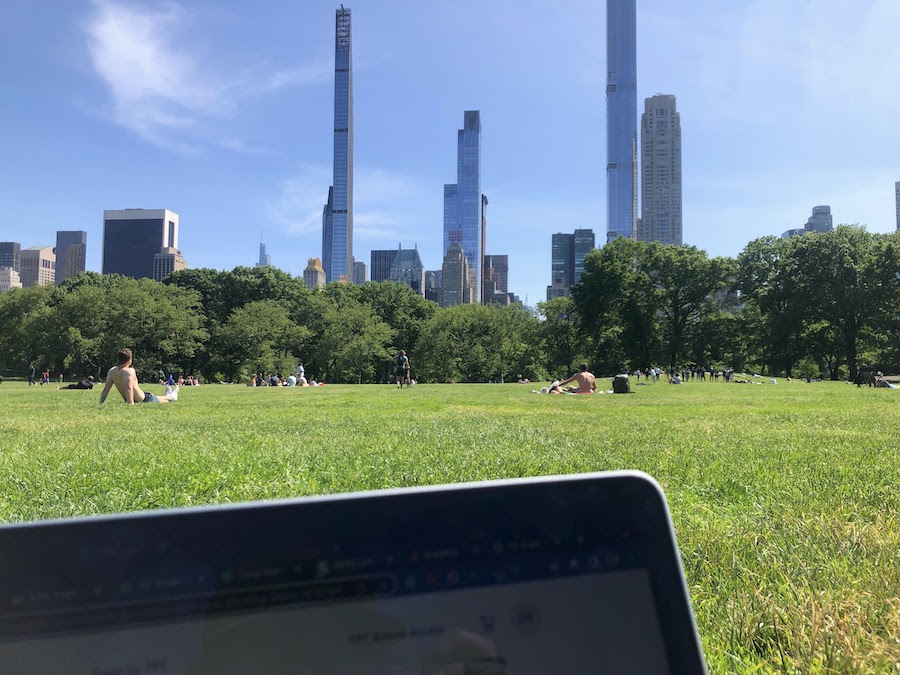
87, 383
31, 372
402, 369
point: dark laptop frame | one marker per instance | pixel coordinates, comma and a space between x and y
64, 576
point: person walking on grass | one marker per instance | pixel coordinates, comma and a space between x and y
126, 382
402, 369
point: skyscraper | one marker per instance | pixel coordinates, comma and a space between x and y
380, 269
456, 278
407, 269
360, 272
265, 260
337, 218
165, 262
897, 198
133, 237
463, 201
896, 201
71, 252
499, 266
38, 266
621, 118
11, 255
820, 220
660, 172
567, 260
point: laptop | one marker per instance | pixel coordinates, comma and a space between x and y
565, 574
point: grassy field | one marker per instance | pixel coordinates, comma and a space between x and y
785, 498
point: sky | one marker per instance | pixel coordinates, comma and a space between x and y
221, 110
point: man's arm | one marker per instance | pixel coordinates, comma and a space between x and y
109, 383
567, 380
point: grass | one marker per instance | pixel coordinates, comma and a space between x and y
786, 498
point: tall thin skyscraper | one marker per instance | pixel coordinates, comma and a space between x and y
661, 218
71, 252
567, 261
265, 260
897, 197
463, 203
621, 119
337, 218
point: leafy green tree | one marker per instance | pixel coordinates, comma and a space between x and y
564, 345
350, 343
260, 337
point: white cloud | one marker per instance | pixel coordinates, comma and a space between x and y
161, 90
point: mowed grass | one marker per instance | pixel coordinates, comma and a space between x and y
785, 498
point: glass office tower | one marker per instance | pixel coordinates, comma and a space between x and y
337, 219
463, 204
621, 119
133, 237
71, 252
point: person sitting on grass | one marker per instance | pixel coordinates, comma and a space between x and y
587, 384
126, 381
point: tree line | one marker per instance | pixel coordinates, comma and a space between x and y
816, 305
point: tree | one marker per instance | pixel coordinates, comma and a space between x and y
260, 336
564, 346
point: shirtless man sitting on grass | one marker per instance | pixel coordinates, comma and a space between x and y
586, 382
126, 381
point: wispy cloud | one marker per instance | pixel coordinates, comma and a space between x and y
388, 206
160, 89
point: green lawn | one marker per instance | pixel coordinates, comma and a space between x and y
786, 498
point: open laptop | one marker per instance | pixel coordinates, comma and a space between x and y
568, 574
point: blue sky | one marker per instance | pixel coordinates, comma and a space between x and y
221, 111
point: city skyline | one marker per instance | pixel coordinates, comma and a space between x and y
224, 115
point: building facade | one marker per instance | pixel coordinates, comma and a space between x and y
820, 220
407, 269
38, 266
9, 279
497, 269
456, 278
71, 254
360, 272
337, 219
661, 193
463, 201
380, 269
621, 119
567, 260
11, 255
314, 274
165, 262
133, 237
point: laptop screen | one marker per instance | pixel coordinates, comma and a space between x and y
517, 577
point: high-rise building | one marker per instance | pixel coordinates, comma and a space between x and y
11, 255
38, 266
621, 118
897, 201
820, 220
567, 260
380, 269
661, 218
499, 268
9, 279
265, 260
360, 272
456, 278
433, 285
133, 237
314, 275
165, 262
337, 218
71, 253
464, 202
407, 269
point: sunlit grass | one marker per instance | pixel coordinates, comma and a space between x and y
786, 498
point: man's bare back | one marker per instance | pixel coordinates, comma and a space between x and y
125, 379
585, 379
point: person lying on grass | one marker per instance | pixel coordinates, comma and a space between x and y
126, 381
